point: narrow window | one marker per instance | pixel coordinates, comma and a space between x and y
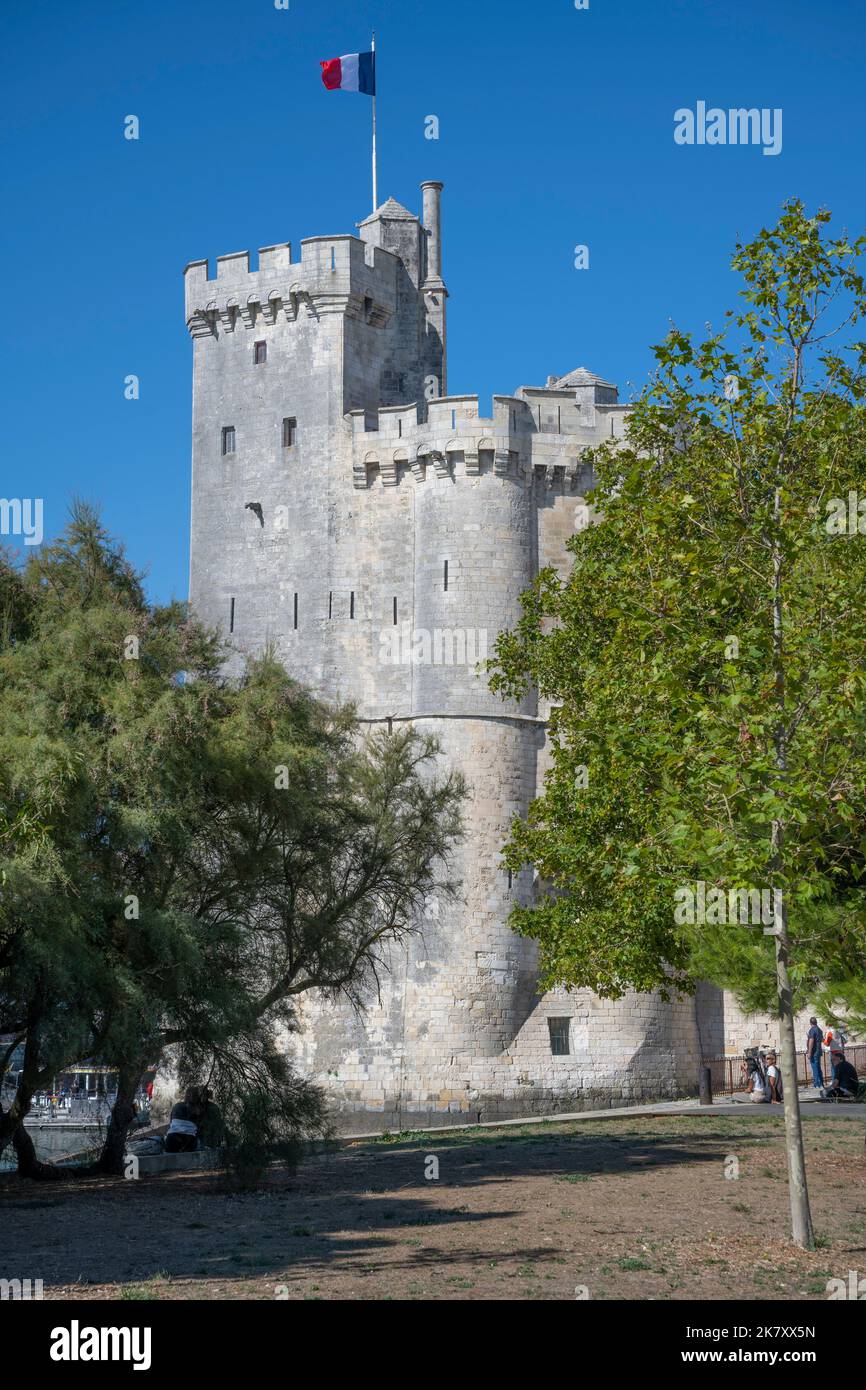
510, 880
559, 1039
399, 429
228, 439
290, 426
333, 258
260, 353
445, 576
296, 612
352, 604
390, 725
232, 617
395, 612
330, 603
454, 419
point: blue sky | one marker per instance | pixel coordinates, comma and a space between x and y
556, 129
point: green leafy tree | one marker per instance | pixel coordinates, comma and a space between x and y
181, 858
705, 661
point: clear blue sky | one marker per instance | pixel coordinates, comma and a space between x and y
556, 129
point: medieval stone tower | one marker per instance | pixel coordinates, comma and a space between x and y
379, 533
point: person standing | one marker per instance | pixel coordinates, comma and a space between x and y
814, 1045
834, 1044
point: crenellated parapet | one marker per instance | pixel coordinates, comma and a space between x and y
448, 437
340, 274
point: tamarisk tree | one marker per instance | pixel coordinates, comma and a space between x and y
706, 662
181, 858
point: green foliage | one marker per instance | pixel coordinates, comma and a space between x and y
262, 1109
699, 724
181, 858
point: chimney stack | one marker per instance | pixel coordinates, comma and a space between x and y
431, 219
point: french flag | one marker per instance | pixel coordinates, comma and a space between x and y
354, 72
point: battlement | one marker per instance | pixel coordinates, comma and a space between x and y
334, 274
450, 438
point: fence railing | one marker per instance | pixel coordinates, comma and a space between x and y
727, 1075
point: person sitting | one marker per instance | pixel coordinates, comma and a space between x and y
211, 1130
755, 1085
774, 1080
182, 1133
845, 1083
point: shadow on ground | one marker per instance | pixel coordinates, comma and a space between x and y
351, 1207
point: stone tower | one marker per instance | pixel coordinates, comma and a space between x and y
378, 532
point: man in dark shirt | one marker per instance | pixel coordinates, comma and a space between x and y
814, 1039
182, 1133
845, 1079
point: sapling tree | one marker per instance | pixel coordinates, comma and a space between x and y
705, 812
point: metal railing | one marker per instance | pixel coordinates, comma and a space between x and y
727, 1075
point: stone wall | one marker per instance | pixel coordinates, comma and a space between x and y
391, 522
743, 1030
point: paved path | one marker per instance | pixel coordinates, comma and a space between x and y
723, 1105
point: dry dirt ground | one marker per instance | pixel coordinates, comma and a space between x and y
638, 1208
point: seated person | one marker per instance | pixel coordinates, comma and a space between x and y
755, 1086
774, 1080
845, 1079
211, 1129
182, 1134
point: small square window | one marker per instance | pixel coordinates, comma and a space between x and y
228, 439
290, 426
559, 1036
260, 353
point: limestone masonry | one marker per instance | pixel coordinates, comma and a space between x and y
378, 532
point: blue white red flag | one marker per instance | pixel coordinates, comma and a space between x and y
354, 72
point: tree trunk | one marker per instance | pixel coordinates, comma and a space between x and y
29, 1166
798, 1192
111, 1158
801, 1216
28, 1081
10, 1120
12, 1123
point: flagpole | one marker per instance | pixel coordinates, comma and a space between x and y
375, 180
